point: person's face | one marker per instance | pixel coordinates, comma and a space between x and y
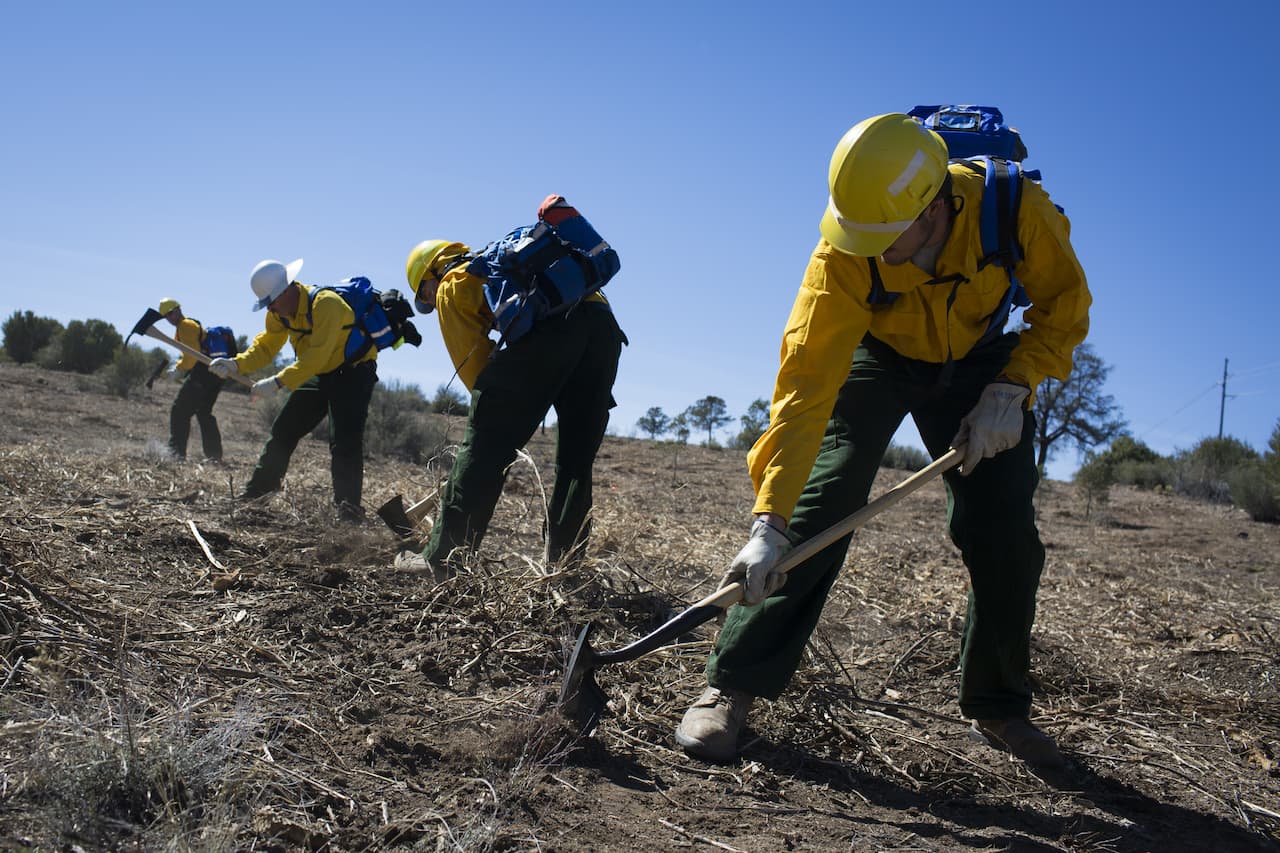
286, 304
174, 317
920, 233
427, 291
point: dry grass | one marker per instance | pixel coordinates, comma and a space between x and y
182, 672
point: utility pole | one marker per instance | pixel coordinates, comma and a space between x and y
1222, 408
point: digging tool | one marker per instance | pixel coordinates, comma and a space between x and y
147, 326
403, 521
582, 700
159, 371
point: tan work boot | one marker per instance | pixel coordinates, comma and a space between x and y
411, 562
1019, 736
710, 727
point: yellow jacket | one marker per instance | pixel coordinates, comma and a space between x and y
319, 345
189, 333
466, 320
831, 315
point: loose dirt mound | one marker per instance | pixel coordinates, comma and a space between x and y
181, 670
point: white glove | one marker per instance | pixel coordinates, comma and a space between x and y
755, 563
264, 389
994, 425
224, 367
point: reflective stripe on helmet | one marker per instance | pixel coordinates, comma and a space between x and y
872, 227
909, 173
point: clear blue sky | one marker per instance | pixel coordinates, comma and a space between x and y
164, 149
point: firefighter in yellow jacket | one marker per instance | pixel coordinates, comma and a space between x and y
321, 381
903, 221
567, 362
199, 391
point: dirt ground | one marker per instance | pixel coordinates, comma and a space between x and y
184, 672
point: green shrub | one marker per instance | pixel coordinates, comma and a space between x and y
88, 346
49, 356
25, 334
1127, 460
399, 425
1154, 475
904, 458
1095, 479
130, 369
1256, 493
449, 401
1126, 448
1271, 459
1204, 471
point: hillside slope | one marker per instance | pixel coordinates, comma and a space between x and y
183, 670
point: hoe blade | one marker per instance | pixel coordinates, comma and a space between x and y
393, 513
581, 699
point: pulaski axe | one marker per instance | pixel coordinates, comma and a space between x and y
404, 521
582, 700
147, 326
158, 372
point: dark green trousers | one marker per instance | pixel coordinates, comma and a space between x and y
196, 397
990, 516
343, 395
567, 363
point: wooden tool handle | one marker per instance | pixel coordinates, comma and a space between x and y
195, 353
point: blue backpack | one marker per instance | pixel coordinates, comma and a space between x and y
978, 138
219, 342
381, 319
542, 270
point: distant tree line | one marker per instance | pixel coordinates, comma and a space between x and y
1074, 412
1070, 413
708, 414
1220, 470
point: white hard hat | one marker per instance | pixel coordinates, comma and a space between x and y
270, 278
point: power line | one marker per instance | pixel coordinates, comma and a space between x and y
1180, 410
1254, 371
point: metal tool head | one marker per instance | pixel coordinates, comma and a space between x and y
393, 513
581, 699
148, 320
158, 372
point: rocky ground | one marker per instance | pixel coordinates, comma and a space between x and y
181, 671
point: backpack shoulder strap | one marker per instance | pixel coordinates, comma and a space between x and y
878, 295
998, 219
998, 226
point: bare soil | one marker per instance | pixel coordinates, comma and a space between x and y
181, 671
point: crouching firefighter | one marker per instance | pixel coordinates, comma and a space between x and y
852, 367
558, 346
333, 374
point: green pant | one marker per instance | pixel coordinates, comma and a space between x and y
196, 397
343, 395
990, 515
568, 363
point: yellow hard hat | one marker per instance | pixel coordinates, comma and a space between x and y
884, 172
421, 257
168, 304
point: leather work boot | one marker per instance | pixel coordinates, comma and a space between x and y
1017, 735
710, 727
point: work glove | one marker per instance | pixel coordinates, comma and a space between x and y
994, 425
264, 389
754, 563
224, 367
